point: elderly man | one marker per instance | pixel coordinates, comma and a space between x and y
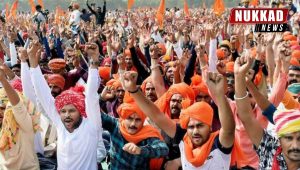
134, 145
74, 116
281, 152
196, 143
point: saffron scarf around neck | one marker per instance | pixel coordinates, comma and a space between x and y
146, 132
197, 156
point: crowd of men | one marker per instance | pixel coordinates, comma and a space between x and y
88, 89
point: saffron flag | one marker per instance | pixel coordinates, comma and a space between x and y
219, 7
130, 4
254, 3
13, 9
40, 2
32, 6
161, 14
6, 11
186, 9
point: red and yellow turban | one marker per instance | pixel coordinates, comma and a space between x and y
287, 122
73, 96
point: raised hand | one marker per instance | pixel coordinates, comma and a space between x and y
221, 67
285, 56
131, 41
107, 93
215, 83
129, 81
132, 149
92, 51
242, 65
154, 50
32, 53
121, 61
23, 54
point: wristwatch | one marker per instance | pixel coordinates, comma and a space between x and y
92, 62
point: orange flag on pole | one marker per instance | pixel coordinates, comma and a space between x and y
32, 6
161, 14
40, 2
130, 4
186, 9
254, 3
219, 7
6, 11
13, 9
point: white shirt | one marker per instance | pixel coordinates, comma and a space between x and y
76, 150
75, 17
218, 160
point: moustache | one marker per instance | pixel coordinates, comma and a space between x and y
294, 150
293, 81
68, 119
197, 135
133, 127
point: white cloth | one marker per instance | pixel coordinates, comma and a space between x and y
39, 17
212, 59
76, 150
13, 54
217, 160
75, 17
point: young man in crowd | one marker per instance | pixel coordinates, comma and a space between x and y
74, 115
196, 142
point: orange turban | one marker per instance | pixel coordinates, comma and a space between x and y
57, 80
294, 43
200, 88
127, 109
147, 80
296, 54
200, 111
230, 67
286, 33
110, 82
166, 58
196, 80
290, 38
162, 47
294, 62
220, 54
117, 84
127, 98
104, 73
57, 64
188, 96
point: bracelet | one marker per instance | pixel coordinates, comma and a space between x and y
241, 98
135, 91
155, 66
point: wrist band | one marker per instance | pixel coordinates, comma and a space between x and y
241, 98
154, 67
135, 91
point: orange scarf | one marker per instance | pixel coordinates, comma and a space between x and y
198, 155
146, 132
